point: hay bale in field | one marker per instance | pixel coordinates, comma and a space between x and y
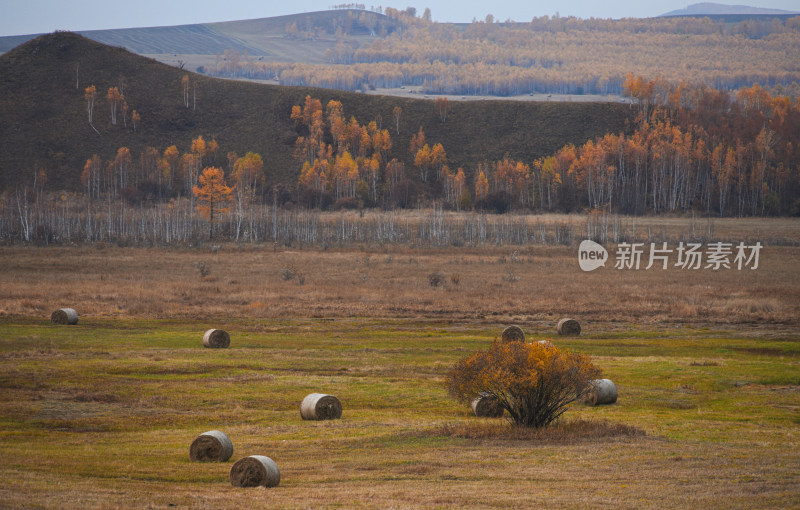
568, 327
601, 392
64, 316
513, 334
487, 406
211, 446
216, 339
255, 471
318, 406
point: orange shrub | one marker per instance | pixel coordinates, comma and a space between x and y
533, 382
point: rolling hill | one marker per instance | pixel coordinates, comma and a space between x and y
263, 36
715, 9
43, 115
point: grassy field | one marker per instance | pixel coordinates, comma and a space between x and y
102, 414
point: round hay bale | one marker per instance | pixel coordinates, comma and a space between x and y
601, 392
487, 406
216, 339
64, 316
568, 327
318, 406
255, 471
513, 334
211, 446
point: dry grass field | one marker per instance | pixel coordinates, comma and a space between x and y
533, 286
101, 414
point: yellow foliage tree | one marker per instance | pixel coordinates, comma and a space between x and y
115, 98
481, 186
135, 119
211, 194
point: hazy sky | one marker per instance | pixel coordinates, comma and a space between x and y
18, 17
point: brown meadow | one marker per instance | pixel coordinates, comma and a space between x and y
534, 285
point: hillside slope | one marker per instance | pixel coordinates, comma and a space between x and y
262, 36
43, 115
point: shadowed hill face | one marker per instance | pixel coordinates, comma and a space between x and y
44, 120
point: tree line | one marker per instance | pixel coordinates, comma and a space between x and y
694, 149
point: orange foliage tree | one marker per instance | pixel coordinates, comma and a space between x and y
481, 186
135, 119
533, 382
115, 98
211, 194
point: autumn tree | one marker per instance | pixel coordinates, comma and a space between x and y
169, 165
382, 144
395, 172
422, 160
533, 382
212, 193
125, 108
115, 98
396, 112
135, 119
248, 174
438, 159
92, 175
481, 186
212, 148
548, 179
454, 186
122, 166
417, 142
192, 163
90, 94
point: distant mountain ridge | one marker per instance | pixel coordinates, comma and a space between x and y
715, 9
